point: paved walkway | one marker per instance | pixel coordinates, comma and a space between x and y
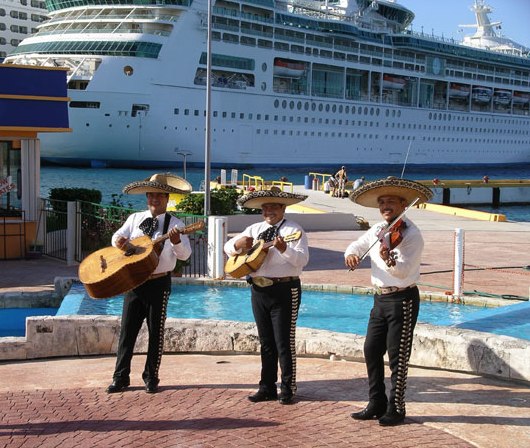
202, 403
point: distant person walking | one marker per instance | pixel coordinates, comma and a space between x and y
358, 182
342, 178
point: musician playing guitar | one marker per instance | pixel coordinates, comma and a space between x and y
149, 300
275, 288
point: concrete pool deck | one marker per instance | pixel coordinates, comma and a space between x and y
61, 401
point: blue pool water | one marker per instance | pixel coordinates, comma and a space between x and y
13, 320
347, 313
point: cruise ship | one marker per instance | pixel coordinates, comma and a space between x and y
290, 82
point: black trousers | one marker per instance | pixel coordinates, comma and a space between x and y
391, 327
147, 302
275, 310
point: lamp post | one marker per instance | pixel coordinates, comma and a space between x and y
184, 154
207, 140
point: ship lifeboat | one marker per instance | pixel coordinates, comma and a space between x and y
502, 97
288, 68
521, 97
393, 82
481, 94
458, 90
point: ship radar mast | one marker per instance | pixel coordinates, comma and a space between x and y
487, 37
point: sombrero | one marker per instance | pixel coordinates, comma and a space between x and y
159, 183
256, 199
409, 190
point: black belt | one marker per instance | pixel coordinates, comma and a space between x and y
263, 282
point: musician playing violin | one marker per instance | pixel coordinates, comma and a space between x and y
149, 300
275, 288
395, 247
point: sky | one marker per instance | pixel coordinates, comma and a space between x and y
444, 16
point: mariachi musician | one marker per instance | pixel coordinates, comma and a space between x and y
395, 247
149, 300
275, 288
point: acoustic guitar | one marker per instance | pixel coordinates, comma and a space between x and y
111, 271
243, 264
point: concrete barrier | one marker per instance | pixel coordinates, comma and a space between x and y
434, 347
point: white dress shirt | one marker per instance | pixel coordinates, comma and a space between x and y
170, 252
408, 256
276, 264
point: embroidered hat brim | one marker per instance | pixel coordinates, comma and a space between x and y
159, 183
369, 193
256, 199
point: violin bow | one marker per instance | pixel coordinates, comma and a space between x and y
386, 229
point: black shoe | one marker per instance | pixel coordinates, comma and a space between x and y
286, 398
117, 386
262, 395
370, 412
151, 387
392, 417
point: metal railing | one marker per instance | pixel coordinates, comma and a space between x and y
72, 230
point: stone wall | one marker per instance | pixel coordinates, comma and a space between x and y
434, 347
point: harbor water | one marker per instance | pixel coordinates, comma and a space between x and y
110, 181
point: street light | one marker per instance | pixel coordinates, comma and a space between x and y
184, 154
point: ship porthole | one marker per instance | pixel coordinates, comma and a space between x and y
128, 70
264, 67
263, 86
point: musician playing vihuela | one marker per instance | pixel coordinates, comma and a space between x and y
275, 286
148, 301
395, 247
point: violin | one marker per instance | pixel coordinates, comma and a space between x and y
390, 240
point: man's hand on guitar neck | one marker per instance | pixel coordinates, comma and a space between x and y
174, 236
280, 244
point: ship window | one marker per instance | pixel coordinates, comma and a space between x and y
215, 113
85, 104
291, 105
276, 103
241, 116
264, 67
224, 114
313, 106
186, 111
233, 115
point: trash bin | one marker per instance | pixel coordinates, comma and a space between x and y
316, 183
308, 182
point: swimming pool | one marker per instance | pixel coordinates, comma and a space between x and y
346, 313
13, 320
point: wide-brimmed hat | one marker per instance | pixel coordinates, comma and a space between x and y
369, 193
159, 183
256, 199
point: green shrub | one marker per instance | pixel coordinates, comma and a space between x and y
222, 202
59, 197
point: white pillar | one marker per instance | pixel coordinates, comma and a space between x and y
233, 177
223, 177
458, 272
30, 171
217, 231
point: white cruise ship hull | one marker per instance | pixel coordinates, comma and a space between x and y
138, 112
